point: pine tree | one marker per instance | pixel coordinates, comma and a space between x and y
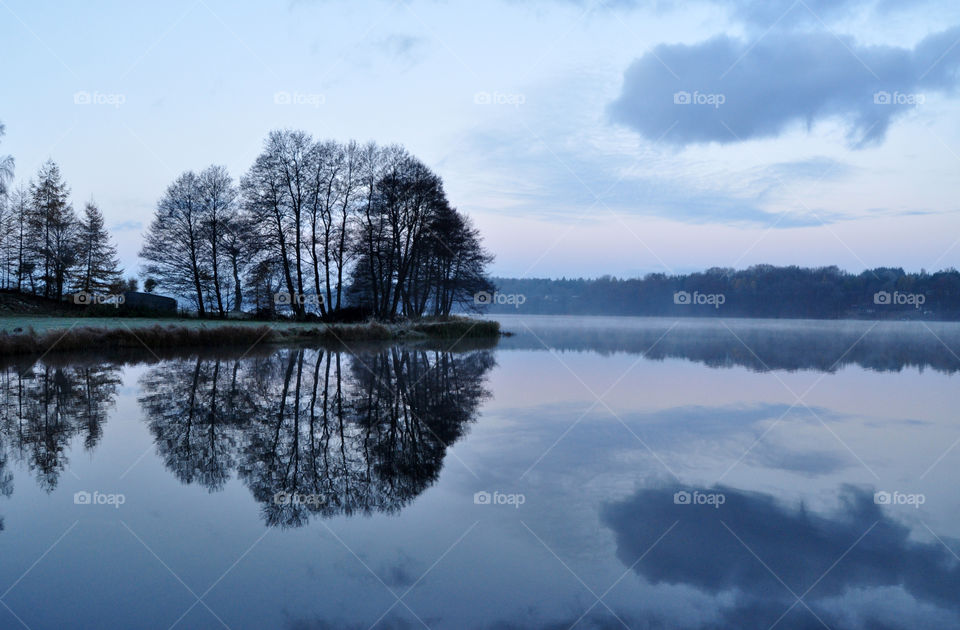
97, 265
53, 228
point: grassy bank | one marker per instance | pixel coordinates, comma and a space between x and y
29, 335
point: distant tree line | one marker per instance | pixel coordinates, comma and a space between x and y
45, 248
315, 226
759, 291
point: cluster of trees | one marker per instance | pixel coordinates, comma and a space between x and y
45, 248
759, 291
312, 227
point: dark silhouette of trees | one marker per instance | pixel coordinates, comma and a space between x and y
316, 226
455, 267
416, 254
45, 248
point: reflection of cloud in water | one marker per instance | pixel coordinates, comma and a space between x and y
798, 546
672, 433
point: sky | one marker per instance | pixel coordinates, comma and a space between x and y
583, 137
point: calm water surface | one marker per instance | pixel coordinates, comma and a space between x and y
585, 472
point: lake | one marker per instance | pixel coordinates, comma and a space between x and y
585, 472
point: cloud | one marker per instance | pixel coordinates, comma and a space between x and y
559, 181
728, 90
816, 169
764, 14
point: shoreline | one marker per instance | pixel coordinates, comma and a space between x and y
86, 336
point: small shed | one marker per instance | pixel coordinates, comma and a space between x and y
149, 302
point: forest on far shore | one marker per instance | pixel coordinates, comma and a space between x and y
758, 291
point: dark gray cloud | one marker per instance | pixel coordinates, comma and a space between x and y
727, 90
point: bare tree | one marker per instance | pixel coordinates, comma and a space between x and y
239, 246
348, 185
324, 162
273, 191
174, 243
218, 205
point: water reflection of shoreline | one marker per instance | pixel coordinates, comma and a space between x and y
760, 345
353, 432
44, 407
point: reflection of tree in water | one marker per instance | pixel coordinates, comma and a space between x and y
43, 408
759, 345
355, 433
193, 406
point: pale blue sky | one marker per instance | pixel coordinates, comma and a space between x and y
555, 123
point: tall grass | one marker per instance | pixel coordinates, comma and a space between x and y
92, 338
457, 328
95, 338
